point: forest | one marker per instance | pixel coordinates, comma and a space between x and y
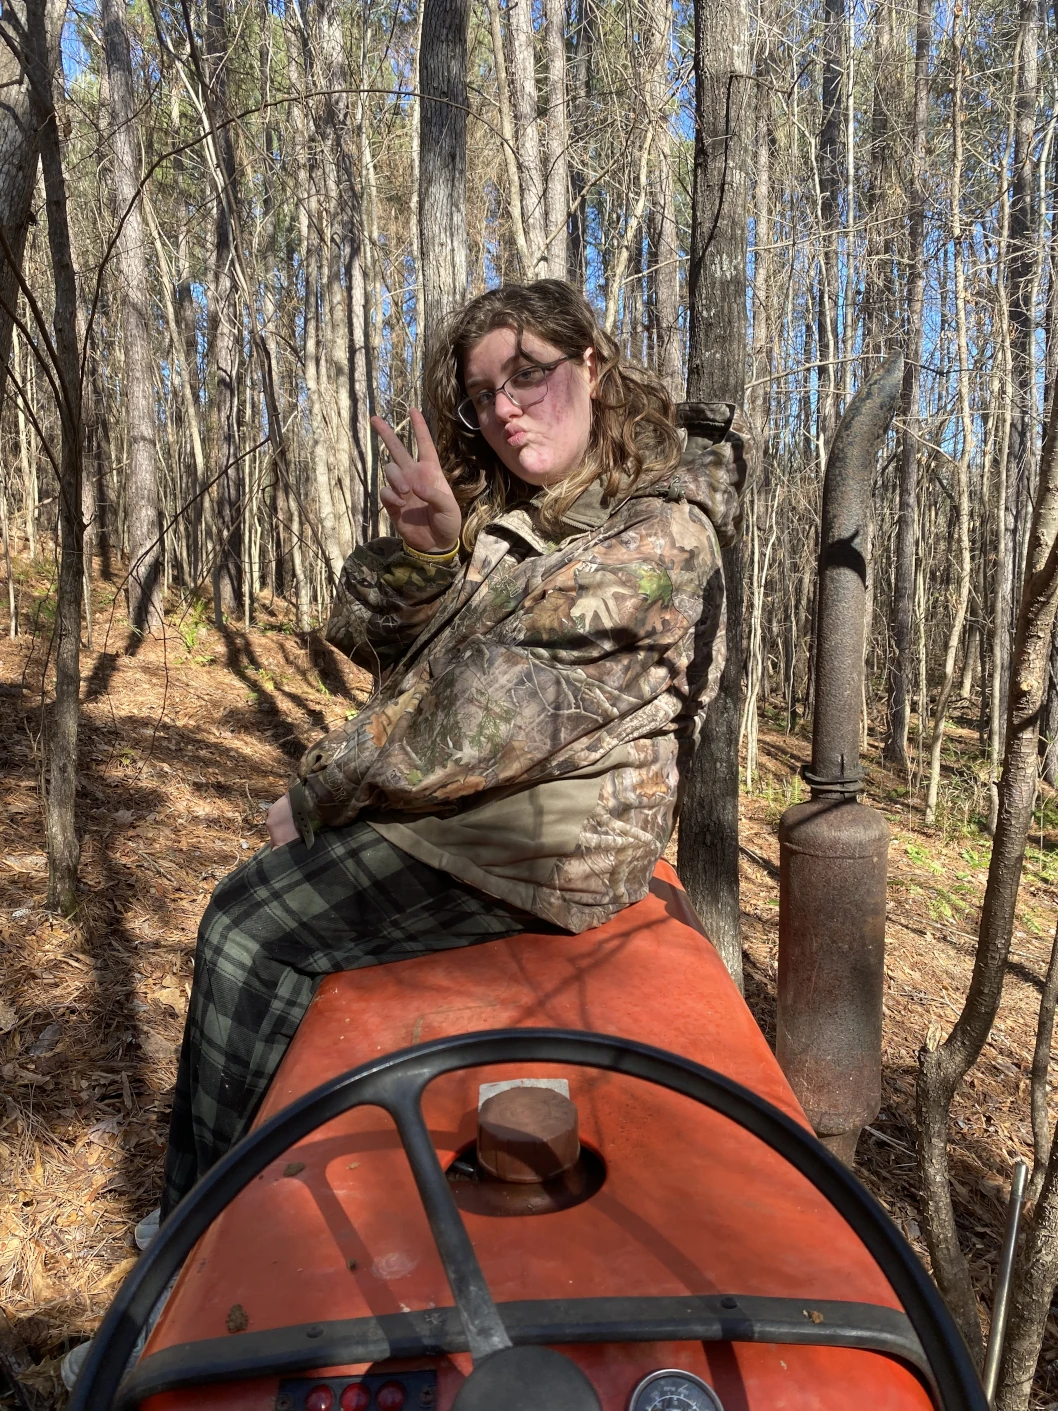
227, 235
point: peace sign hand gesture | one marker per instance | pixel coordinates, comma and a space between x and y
418, 497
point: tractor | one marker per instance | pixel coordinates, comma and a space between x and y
567, 1173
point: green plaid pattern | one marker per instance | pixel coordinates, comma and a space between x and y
272, 930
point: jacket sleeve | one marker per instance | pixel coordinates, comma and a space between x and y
384, 599
596, 654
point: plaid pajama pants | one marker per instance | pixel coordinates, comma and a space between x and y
272, 930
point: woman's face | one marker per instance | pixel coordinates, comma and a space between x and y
540, 444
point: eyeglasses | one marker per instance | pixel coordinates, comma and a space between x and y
524, 388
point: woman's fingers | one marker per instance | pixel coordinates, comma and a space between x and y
396, 447
430, 484
421, 479
423, 439
397, 479
392, 442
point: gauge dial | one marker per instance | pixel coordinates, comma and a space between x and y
673, 1390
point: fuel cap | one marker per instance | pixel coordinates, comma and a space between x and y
527, 1134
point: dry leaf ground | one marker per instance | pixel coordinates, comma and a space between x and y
185, 740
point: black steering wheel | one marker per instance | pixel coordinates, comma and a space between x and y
396, 1084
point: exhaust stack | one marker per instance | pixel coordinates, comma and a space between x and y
833, 850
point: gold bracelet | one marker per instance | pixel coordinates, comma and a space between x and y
446, 557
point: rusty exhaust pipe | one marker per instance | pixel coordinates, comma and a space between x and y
833, 850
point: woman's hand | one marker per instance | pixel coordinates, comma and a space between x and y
418, 497
280, 822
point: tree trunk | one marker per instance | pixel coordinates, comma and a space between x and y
317, 413
759, 400
971, 653
506, 134
187, 324
1000, 382
287, 539
1023, 273
708, 845
5, 530
1035, 1274
213, 97
521, 49
443, 160
664, 255
665, 266
146, 606
942, 1070
1036, 1269
185, 377
556, 186
225, 322
27, 457
341, 338
19, 156
962, 465
1041, 1065
363, 243
632, 234
413, 206
884, 215
1049, 724
583, 53
759, 406
900, 671
60, 760
829, 165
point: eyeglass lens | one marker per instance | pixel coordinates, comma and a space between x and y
524, 388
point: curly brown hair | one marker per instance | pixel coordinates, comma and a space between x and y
633, 433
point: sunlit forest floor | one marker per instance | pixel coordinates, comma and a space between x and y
185, 741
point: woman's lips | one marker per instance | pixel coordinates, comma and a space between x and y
515, 436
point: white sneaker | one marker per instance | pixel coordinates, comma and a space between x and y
147, 1228
71, 1365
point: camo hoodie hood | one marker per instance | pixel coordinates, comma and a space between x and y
536, 699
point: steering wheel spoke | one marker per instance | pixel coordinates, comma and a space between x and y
484, 1327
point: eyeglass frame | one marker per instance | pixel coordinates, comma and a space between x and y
547, 368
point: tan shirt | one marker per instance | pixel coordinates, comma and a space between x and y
509, 846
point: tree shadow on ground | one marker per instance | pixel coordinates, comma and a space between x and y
759, 989
102, 1000
324, 660
243, 662
106, 664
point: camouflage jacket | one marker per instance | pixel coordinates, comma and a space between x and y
535, 699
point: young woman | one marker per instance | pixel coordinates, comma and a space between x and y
546, 627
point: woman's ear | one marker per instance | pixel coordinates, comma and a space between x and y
593, 377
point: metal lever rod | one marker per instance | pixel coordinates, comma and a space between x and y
1001, 1301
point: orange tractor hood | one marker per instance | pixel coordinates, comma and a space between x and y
691, 1207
